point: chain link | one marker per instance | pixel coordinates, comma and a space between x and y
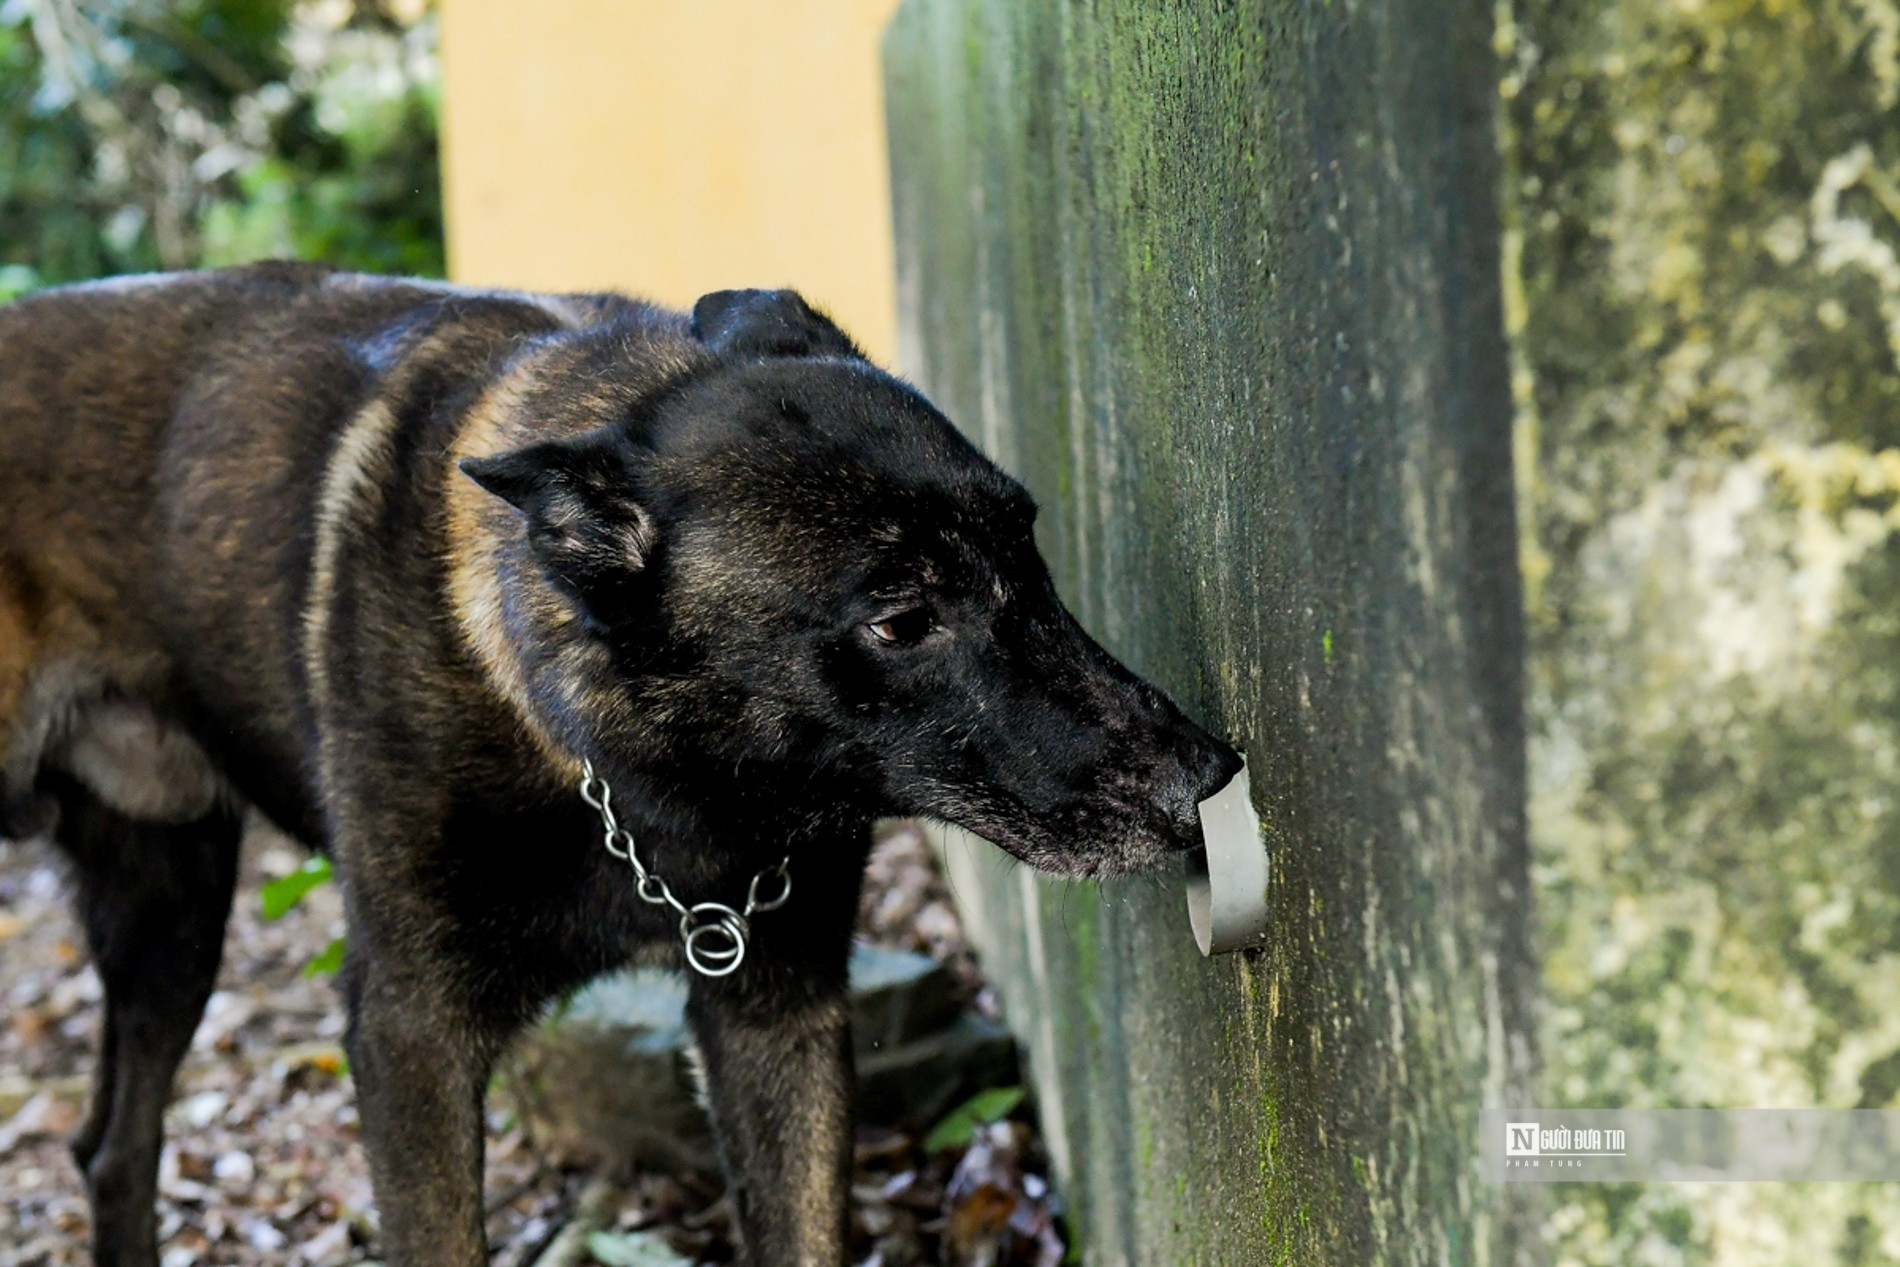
713, 934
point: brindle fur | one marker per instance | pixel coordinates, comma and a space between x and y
384, 560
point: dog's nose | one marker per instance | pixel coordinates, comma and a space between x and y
1206, 765
1219, 765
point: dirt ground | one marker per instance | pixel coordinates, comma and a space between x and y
261, 1163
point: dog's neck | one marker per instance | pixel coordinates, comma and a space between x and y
530, 639
484, 546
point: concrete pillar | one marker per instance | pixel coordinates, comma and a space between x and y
1220, 282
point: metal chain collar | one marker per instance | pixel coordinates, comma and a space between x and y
713, 934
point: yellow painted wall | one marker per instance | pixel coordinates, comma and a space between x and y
671, 147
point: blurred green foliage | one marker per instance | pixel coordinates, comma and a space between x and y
156, 134
1703, 281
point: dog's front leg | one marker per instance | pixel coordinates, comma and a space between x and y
779, 1073
420, 1074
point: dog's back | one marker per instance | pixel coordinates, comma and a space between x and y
88, 379
167, 444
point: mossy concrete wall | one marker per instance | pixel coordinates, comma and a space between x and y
1220, 282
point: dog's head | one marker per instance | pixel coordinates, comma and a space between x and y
799, 572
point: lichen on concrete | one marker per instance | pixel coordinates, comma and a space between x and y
1704, 200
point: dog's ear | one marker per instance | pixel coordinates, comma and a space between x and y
584, 516
767, 323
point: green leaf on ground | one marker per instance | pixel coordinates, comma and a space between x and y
633, 1249
283, 894
326, 961
959, 1125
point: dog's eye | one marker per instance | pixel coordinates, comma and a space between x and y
902, 629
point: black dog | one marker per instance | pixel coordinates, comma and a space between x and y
573, 630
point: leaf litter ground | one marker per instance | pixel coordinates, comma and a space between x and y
262, 1163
